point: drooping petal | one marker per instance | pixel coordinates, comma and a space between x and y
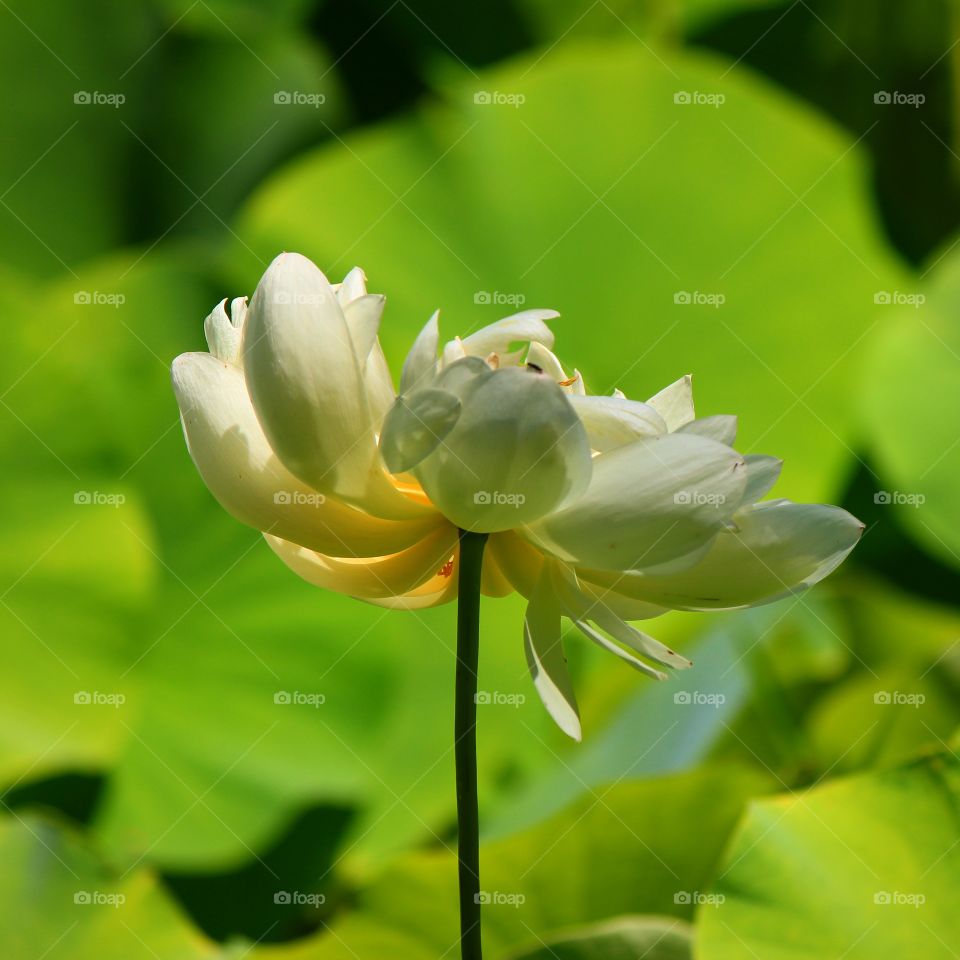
762, 473
236, 462
605, 643
650, 502
675, 403
572, 606
585, 609
371, 578
637, 640
516, 451
523, 327
543, 647
420, 367
777, 548
611, 422
722, 428
307, 389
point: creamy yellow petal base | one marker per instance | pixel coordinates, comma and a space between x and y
373, 577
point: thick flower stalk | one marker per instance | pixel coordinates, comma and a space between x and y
600, 510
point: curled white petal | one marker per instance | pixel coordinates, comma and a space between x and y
236, 462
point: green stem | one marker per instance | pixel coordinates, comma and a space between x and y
465, 741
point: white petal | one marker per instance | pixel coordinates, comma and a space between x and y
611, 422
722, 428
516, 451
650, 502
363, 315
420, 367
543, 646
762, 473
307, 388
778, 548
223, 336
452, 352
415, 425
675, 403
521, 327
626, 608
354, 286
434, 593
636, 639
234, 458
379, 384
370, 578
586, 609
493, 581
363, 321
544, 358
518, 561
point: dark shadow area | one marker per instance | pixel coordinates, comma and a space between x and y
285, 893
72, 795
888, 550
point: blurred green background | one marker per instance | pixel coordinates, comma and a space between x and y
764, 194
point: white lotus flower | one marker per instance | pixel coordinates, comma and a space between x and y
602, 510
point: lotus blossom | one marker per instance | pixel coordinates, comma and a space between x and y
600, 509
